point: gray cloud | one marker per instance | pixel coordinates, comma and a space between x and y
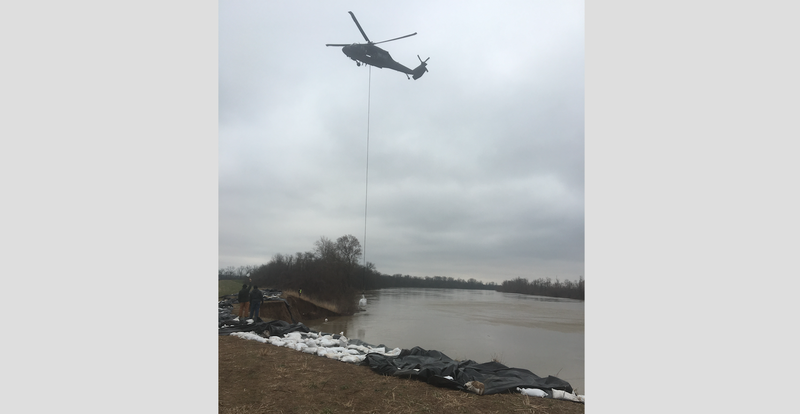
475, 170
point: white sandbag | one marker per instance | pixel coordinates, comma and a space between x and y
249, 335
383, 351
333, 355
360, 348
294, 336
328, 342
563, 395
533, 392
309, 350
393, 352
354, 359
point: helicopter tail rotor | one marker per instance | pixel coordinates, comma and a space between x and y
421, 69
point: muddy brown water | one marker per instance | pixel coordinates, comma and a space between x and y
544, 335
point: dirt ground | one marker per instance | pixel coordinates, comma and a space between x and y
301, 310
262, 378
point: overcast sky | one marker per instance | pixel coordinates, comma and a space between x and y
475, 170
112, 147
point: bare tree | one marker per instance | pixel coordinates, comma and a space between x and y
325, 249
348, 249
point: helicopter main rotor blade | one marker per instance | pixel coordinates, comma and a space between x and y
359, 27
336, 44
396, 38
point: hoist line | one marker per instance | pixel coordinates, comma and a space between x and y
366, 184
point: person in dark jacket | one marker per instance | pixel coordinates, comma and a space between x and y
244, 301
256, 297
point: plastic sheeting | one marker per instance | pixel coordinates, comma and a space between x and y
274, 328
433, 366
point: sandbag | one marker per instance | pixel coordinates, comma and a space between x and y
532, 392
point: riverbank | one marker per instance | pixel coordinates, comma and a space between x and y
262, 378
290, 309
300, 308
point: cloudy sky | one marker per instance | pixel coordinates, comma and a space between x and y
474, 170
113, 150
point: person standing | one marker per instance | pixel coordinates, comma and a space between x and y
256, 297
244, 301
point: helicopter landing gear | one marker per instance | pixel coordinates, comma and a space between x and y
358, 63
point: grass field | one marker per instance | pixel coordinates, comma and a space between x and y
227, 287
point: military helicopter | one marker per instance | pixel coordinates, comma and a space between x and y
369, 54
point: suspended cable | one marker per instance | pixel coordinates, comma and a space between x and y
366, 183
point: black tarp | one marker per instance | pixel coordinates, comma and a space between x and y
280, 328
275, 328
225, 312
433, 366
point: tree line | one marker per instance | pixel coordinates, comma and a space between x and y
379, 281
235, 273
331, 271
545, 287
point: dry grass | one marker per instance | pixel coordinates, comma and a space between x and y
496, 358
262, 378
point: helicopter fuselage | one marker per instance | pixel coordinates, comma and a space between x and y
374, 56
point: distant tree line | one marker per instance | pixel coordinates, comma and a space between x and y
332, 272
374, 280
545, 287
235, 273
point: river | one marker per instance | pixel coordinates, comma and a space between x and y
542, 334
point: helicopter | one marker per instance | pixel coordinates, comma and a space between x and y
369, 54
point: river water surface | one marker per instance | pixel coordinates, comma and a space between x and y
541, 334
